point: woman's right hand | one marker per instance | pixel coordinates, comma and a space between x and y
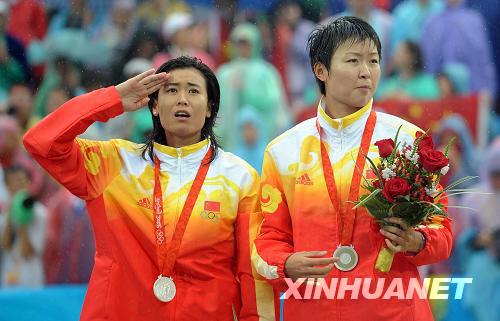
310, 264
134, 92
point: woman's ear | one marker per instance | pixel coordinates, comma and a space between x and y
209, 110
320, 71
154, 109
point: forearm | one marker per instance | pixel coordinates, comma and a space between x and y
54, 135
438, 242
53, 145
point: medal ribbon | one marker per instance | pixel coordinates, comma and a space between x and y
168, 254
345, 222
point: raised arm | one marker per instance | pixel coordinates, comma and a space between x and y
86, 167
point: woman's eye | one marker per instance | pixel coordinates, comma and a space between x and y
194, 91
171, 90
374, 61
353, 60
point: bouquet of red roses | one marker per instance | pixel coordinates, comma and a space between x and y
407, 185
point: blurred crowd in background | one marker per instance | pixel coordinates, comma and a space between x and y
54, 50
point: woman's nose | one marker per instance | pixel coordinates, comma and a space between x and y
182, 99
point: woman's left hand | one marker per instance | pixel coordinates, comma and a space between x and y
403, 239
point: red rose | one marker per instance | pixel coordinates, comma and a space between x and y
376, 184
385, 147
426, 142
395, 187
432, 160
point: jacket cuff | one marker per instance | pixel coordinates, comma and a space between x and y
415, 256
279, 283
281, 260
424, 242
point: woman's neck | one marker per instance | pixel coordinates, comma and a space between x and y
178, 141
337, 110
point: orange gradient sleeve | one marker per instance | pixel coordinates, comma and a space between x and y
438, 235
274, 243
84, 167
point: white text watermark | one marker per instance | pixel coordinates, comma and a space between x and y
380, 288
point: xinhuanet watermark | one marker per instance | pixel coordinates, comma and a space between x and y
379, 288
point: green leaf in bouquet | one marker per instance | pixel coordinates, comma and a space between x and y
435, 208
447, 148
393, 154
376, 207
375, 169
396, 146
366, 198
463, 207
472, 190
413, 213
366, 183
467, 192
456, 183
368, 187
417, 142
397, 134
403, 198
459, 191
378, 211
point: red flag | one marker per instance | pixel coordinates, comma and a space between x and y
211, 206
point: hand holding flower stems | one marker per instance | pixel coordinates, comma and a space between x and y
406, 193
403, 238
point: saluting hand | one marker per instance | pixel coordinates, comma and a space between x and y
134, 92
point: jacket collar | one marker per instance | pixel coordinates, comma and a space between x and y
348, 122
190, 153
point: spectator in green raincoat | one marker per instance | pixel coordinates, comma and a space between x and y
249, 80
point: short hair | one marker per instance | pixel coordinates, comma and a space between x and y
213, 93
325, 39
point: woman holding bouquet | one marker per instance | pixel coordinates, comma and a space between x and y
172, 217
312, 175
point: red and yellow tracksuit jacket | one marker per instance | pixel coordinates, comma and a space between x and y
213, 274
298, 216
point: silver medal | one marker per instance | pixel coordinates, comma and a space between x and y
348, 258
164, 289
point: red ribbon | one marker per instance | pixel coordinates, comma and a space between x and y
345, 221
168, 254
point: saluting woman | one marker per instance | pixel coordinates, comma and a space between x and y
173, 218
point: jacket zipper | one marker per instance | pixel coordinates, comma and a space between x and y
339, 181
179, 166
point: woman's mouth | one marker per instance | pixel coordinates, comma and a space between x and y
182, 114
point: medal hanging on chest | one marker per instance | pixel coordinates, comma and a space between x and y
348, 257
164, 288
345, 252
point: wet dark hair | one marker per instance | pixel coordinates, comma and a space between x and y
213, 92
416, 54
325, 39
